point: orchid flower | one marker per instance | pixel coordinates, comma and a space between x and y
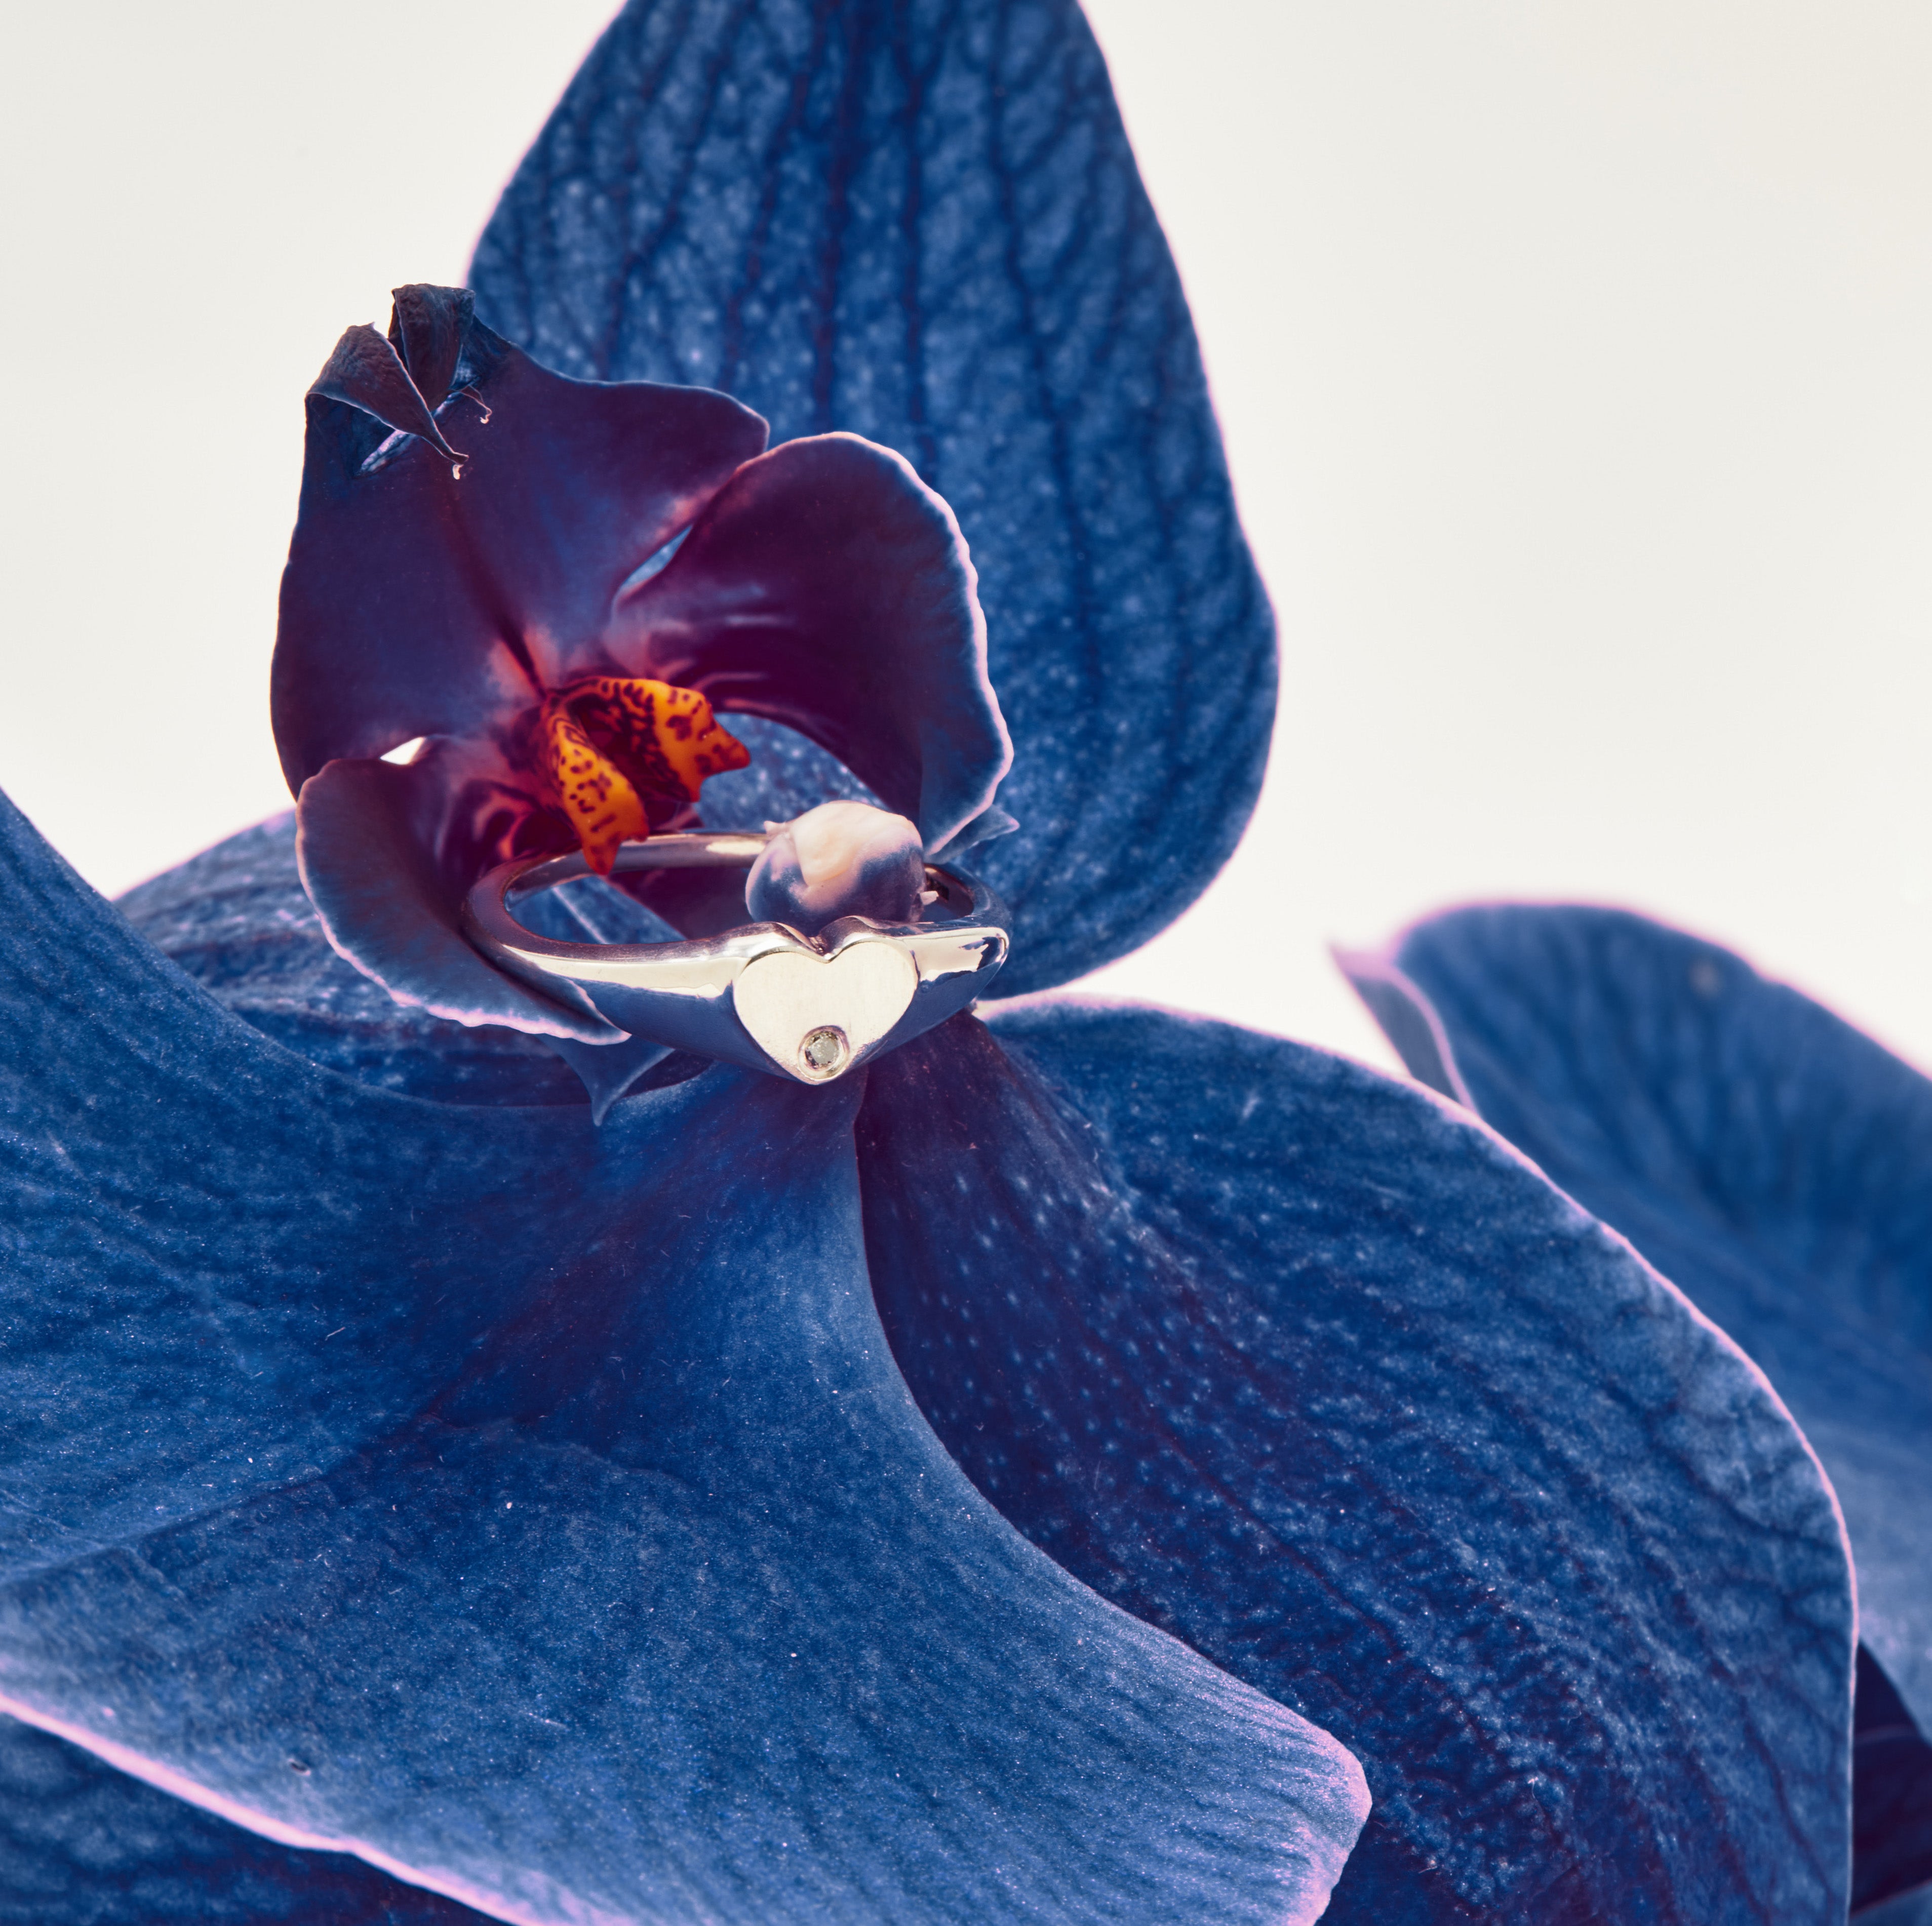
1091, 1465
1776, 1163
547, 618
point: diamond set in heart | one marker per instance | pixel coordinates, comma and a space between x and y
815, 1014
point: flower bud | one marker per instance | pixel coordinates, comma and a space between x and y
840, 859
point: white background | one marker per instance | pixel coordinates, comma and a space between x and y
1575, 360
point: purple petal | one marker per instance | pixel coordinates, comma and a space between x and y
428, 326
1308, 1369
826, 587
367, 834
1891, 1795
415, 604
364, 371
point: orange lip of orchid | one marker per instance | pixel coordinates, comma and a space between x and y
608, 746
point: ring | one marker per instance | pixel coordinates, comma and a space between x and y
807, 1008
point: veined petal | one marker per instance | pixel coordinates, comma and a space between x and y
826, 587
429, 328
1761, 1153
923, 223
415, 603
1306, 1367
1766, 1156
536, 1512
83, 1845
365, 371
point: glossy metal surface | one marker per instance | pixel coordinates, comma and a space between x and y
810, 1008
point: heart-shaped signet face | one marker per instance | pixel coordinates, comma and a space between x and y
817, 1015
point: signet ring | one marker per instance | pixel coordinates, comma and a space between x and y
762, 995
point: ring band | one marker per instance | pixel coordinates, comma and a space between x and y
763, 996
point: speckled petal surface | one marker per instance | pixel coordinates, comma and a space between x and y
922, 223
1764, 1155
1302, 1364
83, 1845
1769, 1159
536, 1511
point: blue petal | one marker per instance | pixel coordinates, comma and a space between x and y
83, 1845
789, 773
923, 224
416, 604
826, 587
537, 1513
237, 919
1303, 1366
1762, 1154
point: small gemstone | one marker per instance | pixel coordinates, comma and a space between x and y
824, 1049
